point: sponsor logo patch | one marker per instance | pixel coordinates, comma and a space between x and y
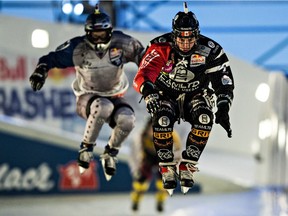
211, 44
197, 60
163, 135
114, 53
71, 179
148, 58
164, 121
226, 80
200, 133
204, 119
193, 151
164, 154
168, 67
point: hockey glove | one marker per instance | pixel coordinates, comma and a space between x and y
38, 77
151, 97
222, 117
152, 103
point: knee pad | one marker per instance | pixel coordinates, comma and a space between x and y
102, 108
200, 113
124, 118
202, 121
163, 123
165, 117
204, 116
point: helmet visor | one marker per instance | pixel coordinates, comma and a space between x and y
100, 36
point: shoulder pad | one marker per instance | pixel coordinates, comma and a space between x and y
64, 45
118, 33
207, 43
67, 43
162, 39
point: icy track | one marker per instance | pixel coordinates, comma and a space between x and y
253, 202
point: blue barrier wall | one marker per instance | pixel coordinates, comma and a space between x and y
32, 167
29, 166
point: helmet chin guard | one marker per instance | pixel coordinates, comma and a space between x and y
101, 47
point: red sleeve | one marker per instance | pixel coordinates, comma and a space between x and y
151, 64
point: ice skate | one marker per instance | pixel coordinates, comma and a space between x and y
159, 206
108, 161
135, 206
139, 188
85, 156
136, 196
169, 176
161, 195
186, 170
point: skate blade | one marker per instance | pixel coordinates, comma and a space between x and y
108, 177
170, 191
82, 170
185, 189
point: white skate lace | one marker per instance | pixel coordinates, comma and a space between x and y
109, 160
188, 174
170, 175
85, 155
85, 148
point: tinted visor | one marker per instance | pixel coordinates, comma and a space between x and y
98, 37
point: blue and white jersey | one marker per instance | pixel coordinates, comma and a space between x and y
97, 72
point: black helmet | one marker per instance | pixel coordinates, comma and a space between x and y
96, 22
185, 24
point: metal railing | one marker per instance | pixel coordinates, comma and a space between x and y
151, 16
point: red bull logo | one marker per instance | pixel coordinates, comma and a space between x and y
71, 179
58, 75
17, 72
197, 59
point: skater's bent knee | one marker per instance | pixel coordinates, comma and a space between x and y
125, 119
101, 107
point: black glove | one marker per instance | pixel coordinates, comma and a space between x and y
222, 117
38, 77
151, 97
152, 103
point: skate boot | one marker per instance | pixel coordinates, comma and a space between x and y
139, 188
186, 170
159, 206
135, 206
169, 176
108, 161
85, 156
161, 195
